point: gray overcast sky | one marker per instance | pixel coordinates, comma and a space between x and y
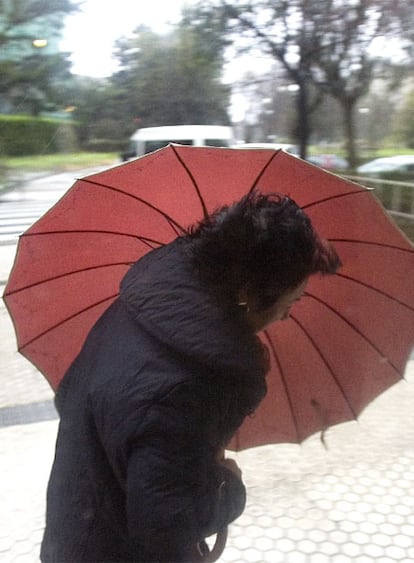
90, 33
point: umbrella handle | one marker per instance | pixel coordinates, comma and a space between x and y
210, 556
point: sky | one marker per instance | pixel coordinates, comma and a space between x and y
90, 33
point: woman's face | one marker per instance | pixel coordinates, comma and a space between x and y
277, 312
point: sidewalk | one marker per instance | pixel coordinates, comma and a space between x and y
350, 503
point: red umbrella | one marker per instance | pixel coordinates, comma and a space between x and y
347, 340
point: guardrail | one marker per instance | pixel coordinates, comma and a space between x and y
397, 197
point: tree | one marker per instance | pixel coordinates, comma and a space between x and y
34, 84
171, 79
282, 30
404, 121
269, 110
403, 13
17, 16
344, 64
327, 43
96, 109
31, 68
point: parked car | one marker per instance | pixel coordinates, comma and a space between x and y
148, 139
329, 161
291, 149
401, 163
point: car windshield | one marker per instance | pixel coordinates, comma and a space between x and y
216, 142
151, 146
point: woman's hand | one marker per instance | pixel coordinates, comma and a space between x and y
232, 466
228, 463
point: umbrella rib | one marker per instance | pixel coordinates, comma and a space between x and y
359, 282
372, 243
353, 327
336, 196
284, 383
169, 219
65, 274
193, 180
146, 240
325, 361
263, 170
60, 323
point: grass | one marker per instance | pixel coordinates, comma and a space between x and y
364, 154
58, 162
392, 151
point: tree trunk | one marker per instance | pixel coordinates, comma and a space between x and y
348, 107
303, 126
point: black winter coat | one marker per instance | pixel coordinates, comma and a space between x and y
163, 381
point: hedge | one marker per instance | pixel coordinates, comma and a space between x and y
22, 135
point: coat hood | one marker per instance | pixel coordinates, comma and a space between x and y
166, 298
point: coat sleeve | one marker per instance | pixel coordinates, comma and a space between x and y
176, 492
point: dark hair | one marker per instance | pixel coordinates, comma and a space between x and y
263, 244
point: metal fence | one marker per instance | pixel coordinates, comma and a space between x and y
397, 197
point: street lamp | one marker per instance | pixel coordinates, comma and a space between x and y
39, 43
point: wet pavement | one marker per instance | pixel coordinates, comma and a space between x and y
350, 502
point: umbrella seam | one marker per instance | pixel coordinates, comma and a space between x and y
325, 361
372, 243
359, 282
60, 323
285, 386
202, 202
145, 240
169, 219
65, 274
336, 196
263, 170
353, 327
195, 185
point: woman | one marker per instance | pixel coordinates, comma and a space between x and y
165, 378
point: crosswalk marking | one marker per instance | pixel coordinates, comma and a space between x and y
21, 207
17, 217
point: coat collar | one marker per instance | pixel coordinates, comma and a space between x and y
165, 297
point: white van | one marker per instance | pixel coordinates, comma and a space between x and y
149, 139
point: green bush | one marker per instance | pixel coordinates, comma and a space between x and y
22, 135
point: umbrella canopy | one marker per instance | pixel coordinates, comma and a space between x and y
346, 341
